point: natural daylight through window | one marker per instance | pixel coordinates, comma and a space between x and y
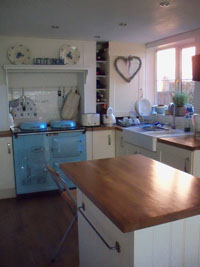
174, 72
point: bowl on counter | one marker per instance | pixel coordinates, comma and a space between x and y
160, 109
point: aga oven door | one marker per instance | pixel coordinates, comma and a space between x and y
31, 156
67, 147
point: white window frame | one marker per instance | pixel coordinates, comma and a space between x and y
178, 47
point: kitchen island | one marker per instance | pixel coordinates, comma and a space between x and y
146, 211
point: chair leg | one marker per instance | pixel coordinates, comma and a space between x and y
63, 238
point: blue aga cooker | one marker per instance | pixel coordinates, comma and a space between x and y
36, 146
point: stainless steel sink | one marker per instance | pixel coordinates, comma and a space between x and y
147, 139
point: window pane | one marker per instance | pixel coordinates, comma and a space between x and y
186, 66
166, 70
186, 71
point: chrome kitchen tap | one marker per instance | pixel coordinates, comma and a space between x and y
173, 125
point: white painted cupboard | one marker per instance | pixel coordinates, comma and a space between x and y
176, 157
100, 144
179, 158
7, 183
173, 244
103, 144
119, 144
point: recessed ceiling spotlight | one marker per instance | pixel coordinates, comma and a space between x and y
164, 4
55, 27
122, 24
97, 36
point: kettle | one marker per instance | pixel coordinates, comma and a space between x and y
109, 118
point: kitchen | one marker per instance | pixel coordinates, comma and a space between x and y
122, 95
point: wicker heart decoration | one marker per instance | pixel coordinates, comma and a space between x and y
127, 61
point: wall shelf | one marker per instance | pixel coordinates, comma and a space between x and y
46, 68
101, 61
101, 103
101, 76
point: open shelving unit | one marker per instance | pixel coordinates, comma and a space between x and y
102, 77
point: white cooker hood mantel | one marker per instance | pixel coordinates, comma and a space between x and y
46, 68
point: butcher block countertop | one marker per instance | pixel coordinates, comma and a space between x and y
104, 128
5, 134
186, 142
135, 192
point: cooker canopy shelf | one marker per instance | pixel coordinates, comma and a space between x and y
46, 68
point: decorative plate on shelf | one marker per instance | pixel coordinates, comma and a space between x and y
70, 54
19, 54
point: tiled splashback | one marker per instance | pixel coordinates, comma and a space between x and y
48, 104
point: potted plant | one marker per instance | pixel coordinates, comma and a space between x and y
180, 100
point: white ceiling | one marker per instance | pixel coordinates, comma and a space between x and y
83, 19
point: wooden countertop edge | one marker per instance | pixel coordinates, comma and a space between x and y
171, 217
176, 143
149, 222
104, 128
142, 219
5, 134
95, 128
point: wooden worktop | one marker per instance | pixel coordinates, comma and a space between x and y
135, 192
103, 128
5, 134
186, 142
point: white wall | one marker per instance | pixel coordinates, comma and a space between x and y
50, 48
123, 95
3, 109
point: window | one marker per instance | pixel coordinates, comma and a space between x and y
174, 72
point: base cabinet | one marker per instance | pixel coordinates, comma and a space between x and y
119, 144
176, 157
132, 149
173, 244
103, 144
7, 182
196, 165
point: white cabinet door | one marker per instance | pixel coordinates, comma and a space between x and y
7, 183
119, 144
103, 144
131, 149
176, 157
149, 154
92, 250
196, 163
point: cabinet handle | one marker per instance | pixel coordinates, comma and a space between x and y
186, 167
109, 140
9, 148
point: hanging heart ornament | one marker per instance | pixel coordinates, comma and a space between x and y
127, 61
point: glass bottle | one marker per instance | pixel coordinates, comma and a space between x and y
187, 122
